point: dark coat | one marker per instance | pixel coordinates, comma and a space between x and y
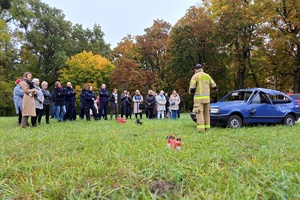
112, 102
126, 105
104, 95
82, 96
47, 96
53, 96
69, 94
59, 95
89, 98
150, 101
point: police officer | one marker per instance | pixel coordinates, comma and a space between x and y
69, 101
200, 86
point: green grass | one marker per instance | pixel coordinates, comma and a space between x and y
106, 160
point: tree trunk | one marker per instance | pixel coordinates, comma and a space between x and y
297, 71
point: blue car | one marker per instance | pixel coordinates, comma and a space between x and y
252, 106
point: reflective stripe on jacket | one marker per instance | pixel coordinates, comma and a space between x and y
202, 82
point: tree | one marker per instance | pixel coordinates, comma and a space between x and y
282, 28
128, 73
47, 43
236, 23
89, 40
129, 76
86, 68
153, 48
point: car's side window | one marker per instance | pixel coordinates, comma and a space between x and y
256, 99
264, 98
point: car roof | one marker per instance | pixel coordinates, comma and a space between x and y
265, 90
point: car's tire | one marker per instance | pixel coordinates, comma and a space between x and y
234, 121
289, 120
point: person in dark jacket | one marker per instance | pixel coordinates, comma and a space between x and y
150, 102
69, 101
89, 101
104, 95
82, 103
59, 96
168, 111
126, 104
46, 104
114, 104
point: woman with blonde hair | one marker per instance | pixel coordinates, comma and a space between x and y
137, 100
39, 101
150, 103
46, 105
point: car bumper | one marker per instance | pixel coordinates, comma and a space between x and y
218, 119
297, 116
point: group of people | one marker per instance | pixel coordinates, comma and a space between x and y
155, 105
33, 101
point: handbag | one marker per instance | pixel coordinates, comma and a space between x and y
141, 106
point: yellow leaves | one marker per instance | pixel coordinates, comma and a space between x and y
85, 68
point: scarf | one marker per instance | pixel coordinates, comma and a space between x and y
31, 85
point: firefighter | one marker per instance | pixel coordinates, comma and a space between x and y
200, 86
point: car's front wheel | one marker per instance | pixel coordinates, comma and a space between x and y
289, 120
234, 122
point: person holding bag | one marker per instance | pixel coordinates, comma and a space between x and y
138, 104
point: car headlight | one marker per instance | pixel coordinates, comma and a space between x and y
214, 110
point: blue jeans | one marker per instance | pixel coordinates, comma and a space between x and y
60, 112
174, 114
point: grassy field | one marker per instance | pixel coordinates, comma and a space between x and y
106, 160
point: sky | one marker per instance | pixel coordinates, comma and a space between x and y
118, 18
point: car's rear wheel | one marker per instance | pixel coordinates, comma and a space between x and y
289, 120
234, 122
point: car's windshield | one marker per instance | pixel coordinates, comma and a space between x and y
237, 96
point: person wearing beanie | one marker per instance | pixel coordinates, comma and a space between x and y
200, 85
17, 97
